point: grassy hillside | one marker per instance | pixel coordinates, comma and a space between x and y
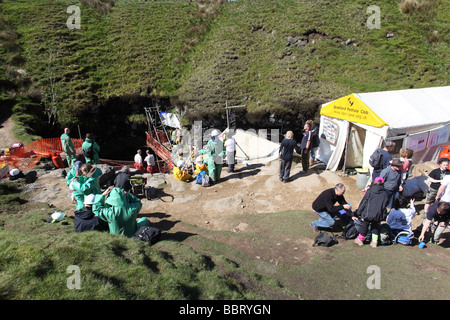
280, 58
272, 260
36, 256
247, 58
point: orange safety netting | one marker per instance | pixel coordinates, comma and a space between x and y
26, 157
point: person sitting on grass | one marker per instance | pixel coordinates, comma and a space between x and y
86, 220
401, 215
86, 184
119, 210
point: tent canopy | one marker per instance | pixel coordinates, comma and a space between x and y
401, 110
358, 123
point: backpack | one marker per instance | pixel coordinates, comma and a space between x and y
89, 153
315, 140
324, 240
198, 178
386, 235
205, 180
147, 234
376, 159
350, 231
404, 237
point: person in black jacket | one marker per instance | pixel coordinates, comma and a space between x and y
325, 207
86, 220
371, 211
287, 147
122, 179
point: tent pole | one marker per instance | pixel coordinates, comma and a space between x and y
346, 147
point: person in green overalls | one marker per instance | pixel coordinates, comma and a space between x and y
119, 210
68, 148
88, 142
215, 152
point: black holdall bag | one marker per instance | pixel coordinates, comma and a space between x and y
325, 240
147, 234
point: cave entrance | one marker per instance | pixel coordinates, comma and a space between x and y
119, 125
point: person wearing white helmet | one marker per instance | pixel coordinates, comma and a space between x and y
215, 152
86, 220
179, 173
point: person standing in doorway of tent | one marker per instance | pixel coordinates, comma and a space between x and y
315, 141
393, 179
138, 161
68, 148
286, 155
435, 178
385, 160
90, 150
305, 145
324, 207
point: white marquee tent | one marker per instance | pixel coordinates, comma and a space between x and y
352, 127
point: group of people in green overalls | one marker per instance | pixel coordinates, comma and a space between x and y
95, 209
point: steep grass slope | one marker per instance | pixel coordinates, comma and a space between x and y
282, 59
287, 57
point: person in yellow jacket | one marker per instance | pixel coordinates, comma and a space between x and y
119, 210
181, 174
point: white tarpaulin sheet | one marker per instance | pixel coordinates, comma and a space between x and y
170, 120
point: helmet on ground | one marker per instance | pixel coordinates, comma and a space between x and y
14, 172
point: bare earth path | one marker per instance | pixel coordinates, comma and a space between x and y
6, 136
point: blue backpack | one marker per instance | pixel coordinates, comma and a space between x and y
199, 177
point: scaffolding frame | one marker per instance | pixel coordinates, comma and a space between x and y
158, 138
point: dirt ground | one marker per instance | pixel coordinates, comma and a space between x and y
6, 136
250, 190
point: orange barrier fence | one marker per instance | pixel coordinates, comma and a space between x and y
27, 156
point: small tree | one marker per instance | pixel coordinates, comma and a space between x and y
50, 99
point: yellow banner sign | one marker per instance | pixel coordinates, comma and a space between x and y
352, 109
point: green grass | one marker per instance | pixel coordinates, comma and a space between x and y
254, 34
165, 50
36, 255
274, 259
